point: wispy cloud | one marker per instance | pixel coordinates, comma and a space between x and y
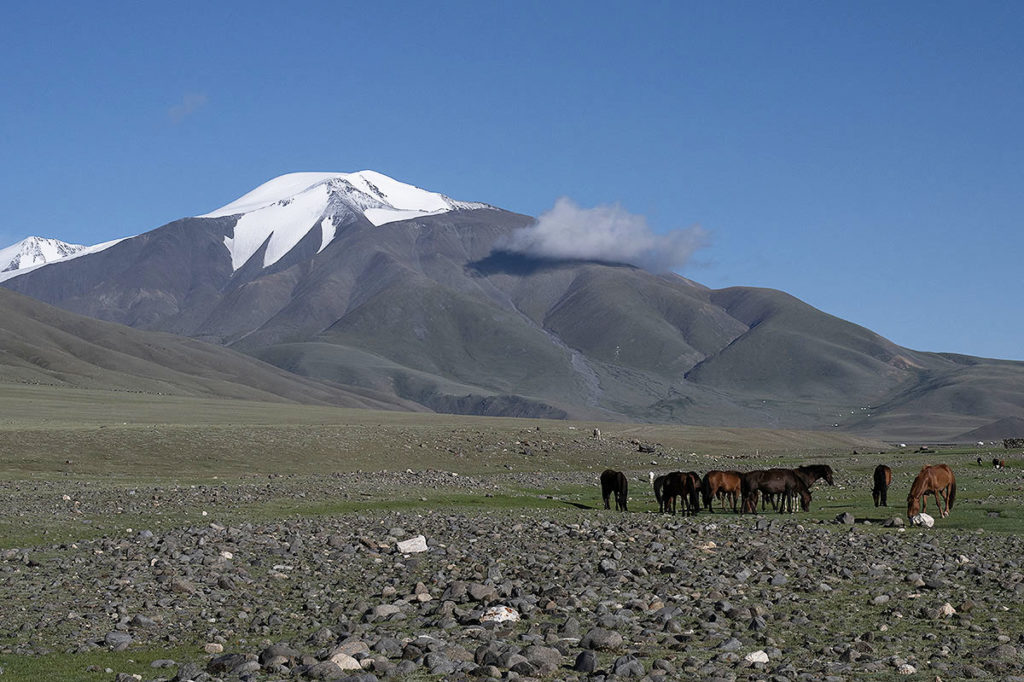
190, 103
605, 233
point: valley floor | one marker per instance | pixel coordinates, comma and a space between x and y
274, 575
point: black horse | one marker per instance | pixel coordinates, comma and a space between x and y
784, 482
614, 482
882, 480
682, 485
659, 491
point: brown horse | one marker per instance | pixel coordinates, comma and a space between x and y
883, 478
659, 491
721, 485
682, 485
937, 479
783, 482
691, 492
614, 482
810, 473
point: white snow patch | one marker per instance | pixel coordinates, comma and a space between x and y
283, 223
327, 231
282, 211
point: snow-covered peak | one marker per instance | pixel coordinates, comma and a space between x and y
380, 198
35, 251
284, 210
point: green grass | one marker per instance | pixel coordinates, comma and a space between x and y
93, 665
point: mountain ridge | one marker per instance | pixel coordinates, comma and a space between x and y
429, 310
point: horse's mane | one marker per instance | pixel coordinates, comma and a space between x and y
920, 484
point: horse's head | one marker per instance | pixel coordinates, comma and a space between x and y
805, 500
828, 475
913, 506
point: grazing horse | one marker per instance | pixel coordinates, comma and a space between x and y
937, 479
812, 472
677, 485
659, 491
721, 485
999, 463
883, 478
614, 482
783, 482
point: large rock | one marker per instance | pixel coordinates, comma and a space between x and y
601, 639
499, 614
924, 520
413, 545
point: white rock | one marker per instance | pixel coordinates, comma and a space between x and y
947, 610
500, 614
758, 656
923, 519
906, 669
413, 545
345, 662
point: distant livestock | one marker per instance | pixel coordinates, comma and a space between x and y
882, 479
784, 482
614, 482
723, 485
936, 480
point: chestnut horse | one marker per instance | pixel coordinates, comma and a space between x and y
721, 485
614, 482
937, 479
883, 478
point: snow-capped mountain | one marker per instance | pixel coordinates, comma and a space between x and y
358, 280
284, 210
35, 251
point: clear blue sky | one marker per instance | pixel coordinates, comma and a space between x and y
866, 157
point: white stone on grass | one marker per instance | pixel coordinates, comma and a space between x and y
500, 614
923, 519
413, 545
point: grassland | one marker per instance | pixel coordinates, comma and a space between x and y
87, 465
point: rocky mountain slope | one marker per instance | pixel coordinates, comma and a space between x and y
360, 280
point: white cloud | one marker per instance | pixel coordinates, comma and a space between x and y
604, 233
190, 103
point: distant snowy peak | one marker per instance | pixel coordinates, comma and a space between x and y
35, 251
281, 212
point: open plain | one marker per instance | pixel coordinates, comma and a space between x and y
161, 538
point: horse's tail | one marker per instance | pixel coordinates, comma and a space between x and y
658, 491
952, 493
705, 492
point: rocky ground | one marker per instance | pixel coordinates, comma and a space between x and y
591, 594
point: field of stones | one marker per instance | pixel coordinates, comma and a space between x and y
480, 550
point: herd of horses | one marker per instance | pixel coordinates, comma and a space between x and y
778, 487
688, 491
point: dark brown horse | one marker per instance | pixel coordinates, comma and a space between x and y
937, 480
691, 492
682, 485
658, 483
783, 482
883, 478
614, 482
812, 472
721, 485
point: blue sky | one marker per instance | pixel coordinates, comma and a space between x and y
865, 157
